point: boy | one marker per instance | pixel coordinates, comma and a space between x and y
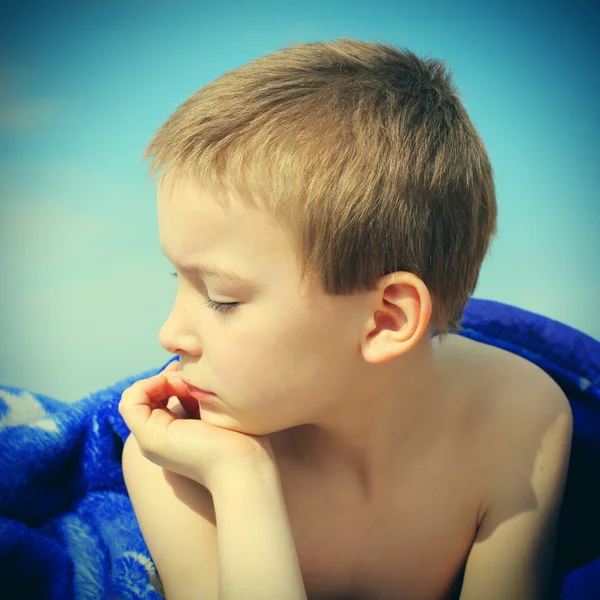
327, 209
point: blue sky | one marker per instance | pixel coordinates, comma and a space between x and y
85, 84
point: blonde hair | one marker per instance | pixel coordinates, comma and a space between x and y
362, 150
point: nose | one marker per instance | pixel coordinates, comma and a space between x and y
177, 334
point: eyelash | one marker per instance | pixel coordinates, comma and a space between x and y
222, 307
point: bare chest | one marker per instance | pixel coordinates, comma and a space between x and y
411, 544
414, 542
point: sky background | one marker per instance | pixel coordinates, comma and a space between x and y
83, 86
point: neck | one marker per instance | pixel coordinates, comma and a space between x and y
385, 413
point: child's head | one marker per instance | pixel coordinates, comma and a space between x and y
362, 151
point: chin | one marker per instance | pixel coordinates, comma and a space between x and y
218, 419
226, 422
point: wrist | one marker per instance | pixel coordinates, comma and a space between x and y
260, 473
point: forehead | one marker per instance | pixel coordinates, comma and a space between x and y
200, 227
185, 203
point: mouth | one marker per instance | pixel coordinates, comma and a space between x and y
198, 393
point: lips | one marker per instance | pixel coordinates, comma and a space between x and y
198, 393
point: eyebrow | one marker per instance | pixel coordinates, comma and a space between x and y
208, 270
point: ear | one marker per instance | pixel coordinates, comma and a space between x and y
399, 318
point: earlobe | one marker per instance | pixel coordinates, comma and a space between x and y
399, 319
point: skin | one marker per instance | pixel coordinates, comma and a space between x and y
242, 476
280, 362
357, 447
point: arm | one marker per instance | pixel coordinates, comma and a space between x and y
241, 474
256, 552
176, 517
512, 556
250, 555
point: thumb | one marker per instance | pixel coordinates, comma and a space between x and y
172, 366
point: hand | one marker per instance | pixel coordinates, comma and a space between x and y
187, 446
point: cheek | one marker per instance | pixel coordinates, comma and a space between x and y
239, 358
300, 359
253, 360
277, 377
290, 352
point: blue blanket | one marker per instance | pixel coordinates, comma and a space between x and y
67, 526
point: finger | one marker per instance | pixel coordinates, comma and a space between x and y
162, 386
142, 399
156, 426
145, 405
172, 366
147, 394
177, 407
180, 389
177, 384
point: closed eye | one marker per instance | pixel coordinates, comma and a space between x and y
223, 307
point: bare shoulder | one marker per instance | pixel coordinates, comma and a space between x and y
519, 392
526, 417
507, 383
523, 446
